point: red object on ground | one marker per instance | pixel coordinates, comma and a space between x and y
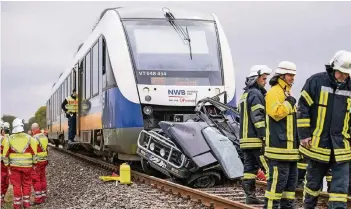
260, 176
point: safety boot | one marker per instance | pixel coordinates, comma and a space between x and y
250, 192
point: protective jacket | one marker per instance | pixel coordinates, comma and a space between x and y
281, 132
252, 115
324, 115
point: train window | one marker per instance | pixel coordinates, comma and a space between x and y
74, 76
66, 88
87, 75
102, 53
110, 77
83, 79
63, 91
95, 70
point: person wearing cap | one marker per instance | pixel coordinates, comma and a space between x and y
70, 107
5, 131
324, 130
252, 128
282, 143
20, 155
38, 175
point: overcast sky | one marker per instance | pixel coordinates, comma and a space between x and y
39, 39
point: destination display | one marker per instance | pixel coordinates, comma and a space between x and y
176, 81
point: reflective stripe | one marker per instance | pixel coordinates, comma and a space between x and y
327, 89
328, 178
290, 132
317, 156
250, 143
323, 100
282, 157
302, 166
264, 163
271, 195
303, 122
311, 192
343, 93
260, 124
72, 105
256, 107
245, 119
288, 195
281, 150
249, 176
346, 120
307, 97
336, 197
16, 202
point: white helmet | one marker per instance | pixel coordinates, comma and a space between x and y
17, 125
258, 70
341, 61
6, 126
285, 67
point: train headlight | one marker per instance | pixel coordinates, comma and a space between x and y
148, 98
162, 152
152, 146
217, 91
147, 110
146, 90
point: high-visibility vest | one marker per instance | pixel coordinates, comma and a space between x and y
20, 155
3, 139
72, 105
42, 153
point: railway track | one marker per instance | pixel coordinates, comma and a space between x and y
229, 197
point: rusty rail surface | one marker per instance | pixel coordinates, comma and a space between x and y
205, 198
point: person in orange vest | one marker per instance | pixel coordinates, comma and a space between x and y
20, 154
39, 175
5, 131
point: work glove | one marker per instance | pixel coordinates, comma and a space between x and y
291, 100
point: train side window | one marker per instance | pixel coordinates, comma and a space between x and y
110, 77
74, 75
87, 75
95, 70
102, 58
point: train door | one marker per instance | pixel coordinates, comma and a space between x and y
81, 94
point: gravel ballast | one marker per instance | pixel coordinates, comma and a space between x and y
73, 183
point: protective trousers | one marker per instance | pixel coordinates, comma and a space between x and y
281, 185
338, 186
4, 181
22, 182
39, 182
301, 165
71, 128
253, 160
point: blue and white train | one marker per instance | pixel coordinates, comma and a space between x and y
140, 66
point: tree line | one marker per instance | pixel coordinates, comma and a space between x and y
39, 117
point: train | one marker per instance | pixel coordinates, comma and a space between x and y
140, 66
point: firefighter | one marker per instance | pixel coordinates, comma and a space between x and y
20, 155
281, 139
70, 107
5, 131
323, 126
39, 175
252, 129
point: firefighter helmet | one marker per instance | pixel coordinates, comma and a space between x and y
17, 125
285, 67
341, 61
258, 70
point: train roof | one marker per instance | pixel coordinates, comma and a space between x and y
133, 13
157, 12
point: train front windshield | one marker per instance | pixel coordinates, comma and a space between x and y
162, 57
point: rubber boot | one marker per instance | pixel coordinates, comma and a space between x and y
250, 191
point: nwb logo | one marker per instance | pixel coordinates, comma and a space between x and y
176, 92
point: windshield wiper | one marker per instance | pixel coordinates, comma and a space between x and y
184, 35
